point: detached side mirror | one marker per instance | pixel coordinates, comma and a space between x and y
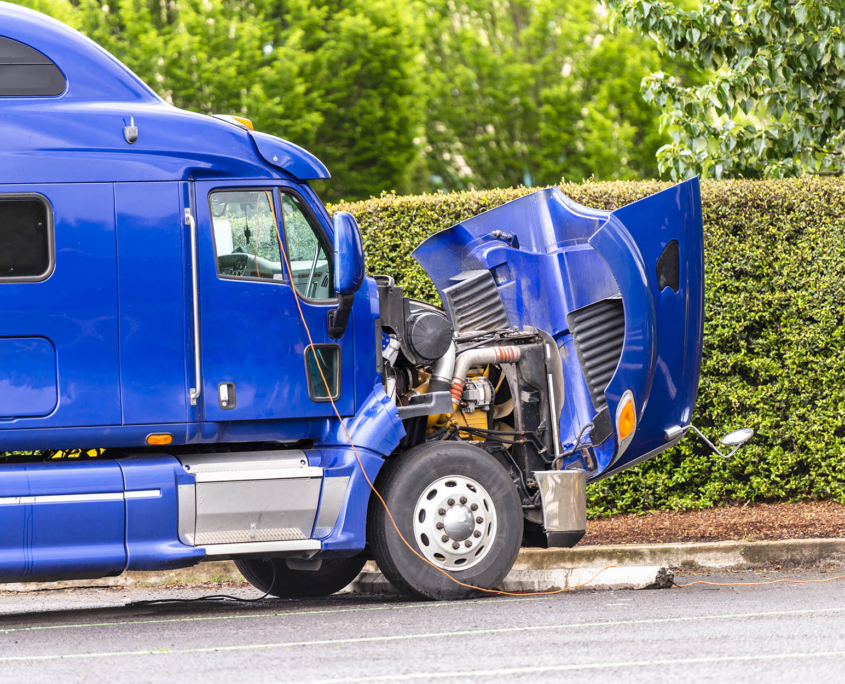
348, 270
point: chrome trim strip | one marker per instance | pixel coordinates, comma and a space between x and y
264, 474
331, 501
143, 494
262, 547
195, 391
187, 521
78, 498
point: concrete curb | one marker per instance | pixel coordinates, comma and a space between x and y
700, 556
571, 579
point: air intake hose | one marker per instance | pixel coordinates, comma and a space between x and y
477, 357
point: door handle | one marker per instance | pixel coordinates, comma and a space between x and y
227, 398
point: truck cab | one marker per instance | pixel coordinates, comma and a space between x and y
194, 364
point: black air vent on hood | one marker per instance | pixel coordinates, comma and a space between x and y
474, 303
599, 333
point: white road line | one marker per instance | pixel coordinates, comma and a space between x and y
540, 669
255, 616
414, 637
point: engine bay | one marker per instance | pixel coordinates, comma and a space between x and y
462, 373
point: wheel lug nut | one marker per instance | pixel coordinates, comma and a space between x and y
456, 545
451, 502
479, 520
439, 526
463, 499
442, 511
474, 507
476, 534
444, 538
467, 543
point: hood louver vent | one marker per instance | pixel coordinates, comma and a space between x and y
599, 333
474, 303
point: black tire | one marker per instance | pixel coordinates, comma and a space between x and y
402, 482
273, 576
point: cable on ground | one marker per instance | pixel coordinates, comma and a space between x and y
675, 585
497, 592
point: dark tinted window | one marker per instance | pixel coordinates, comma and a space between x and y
325, 385
25, 72
25, 239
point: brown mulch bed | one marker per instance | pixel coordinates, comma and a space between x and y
804, 520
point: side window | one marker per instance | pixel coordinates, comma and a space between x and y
25, 72
26, 239
246, 237
322, 364
312, 270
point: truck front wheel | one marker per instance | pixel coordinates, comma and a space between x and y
459, 510
273, 576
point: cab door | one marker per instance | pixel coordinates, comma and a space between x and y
257, 360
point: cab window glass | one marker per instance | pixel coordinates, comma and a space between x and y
25, 239
246, 238
310, 258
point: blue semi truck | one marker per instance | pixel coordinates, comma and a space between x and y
175, 295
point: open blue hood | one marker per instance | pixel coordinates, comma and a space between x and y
554, 260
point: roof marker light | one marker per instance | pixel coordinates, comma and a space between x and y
239, 121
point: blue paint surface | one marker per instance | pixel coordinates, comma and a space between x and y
150, 302
101, 353
88, 145
75, 309
28, 385
61, 539
661, 359
253, 336
152, 541
558, 256
349, 534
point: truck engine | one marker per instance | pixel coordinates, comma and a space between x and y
463, 373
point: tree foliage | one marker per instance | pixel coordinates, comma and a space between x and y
776, 103
528, 91
340, 77
403, 95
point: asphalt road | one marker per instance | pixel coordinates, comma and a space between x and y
780, 633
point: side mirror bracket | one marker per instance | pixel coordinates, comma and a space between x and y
339, 317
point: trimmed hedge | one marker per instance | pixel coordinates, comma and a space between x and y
774, 348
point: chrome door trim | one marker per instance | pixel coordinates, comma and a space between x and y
195, 391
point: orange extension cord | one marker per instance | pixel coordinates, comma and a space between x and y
497, 592
756, 584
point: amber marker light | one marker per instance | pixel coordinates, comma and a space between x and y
159, 439
241, 121
626, 421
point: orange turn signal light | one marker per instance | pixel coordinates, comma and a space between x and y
627, 419
159, 439
241, 121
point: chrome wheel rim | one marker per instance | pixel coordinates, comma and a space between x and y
455, 523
